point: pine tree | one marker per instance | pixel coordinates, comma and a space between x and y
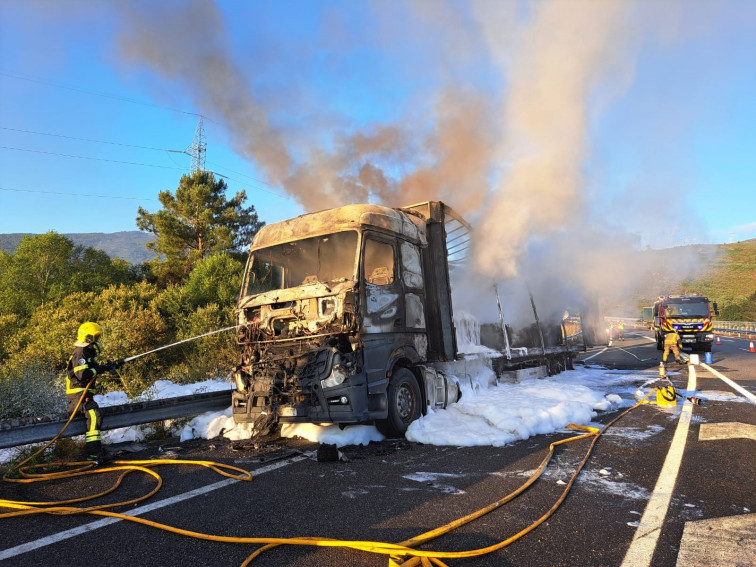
196, 222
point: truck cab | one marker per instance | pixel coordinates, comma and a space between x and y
339, 314
689, 315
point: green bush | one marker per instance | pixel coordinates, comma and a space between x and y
31, 391
136, 318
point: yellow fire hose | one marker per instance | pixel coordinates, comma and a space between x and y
403, 553
83, 468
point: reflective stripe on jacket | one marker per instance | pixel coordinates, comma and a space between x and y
671, 338
82, 368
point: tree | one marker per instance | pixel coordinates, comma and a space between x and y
215, 279
131, 325
204, 303
47, 267
196, 222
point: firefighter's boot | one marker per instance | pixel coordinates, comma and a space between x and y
94, 450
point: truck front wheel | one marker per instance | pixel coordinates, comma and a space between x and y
404, 403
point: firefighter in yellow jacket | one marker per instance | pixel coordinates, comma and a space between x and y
81, 375
673, 342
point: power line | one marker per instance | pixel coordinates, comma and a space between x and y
142, 164
31, 79
151, 148
77, 194
214, 172
93, 158
122, 144
255, 179
88, 140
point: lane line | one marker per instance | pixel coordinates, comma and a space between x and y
593, 355
636, 356
86, 528
730, 383
642, 548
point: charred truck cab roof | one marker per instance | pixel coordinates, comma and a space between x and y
348, 217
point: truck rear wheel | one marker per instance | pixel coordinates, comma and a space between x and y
404, 404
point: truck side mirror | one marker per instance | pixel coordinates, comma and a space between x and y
716, 308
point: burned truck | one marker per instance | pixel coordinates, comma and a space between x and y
345, 316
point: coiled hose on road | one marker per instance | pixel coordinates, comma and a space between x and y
403, 553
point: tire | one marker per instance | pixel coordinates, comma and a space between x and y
404, 404
659, 343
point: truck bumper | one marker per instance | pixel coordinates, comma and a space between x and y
345, 404
694, 340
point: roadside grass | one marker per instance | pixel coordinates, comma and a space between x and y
30, 392
62, 451
727, 277
731, 281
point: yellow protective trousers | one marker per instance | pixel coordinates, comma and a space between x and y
92, 413
674, 349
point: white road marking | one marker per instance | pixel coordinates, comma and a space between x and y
631, 354
641, 550
726, 430
729, 382
86, 528
710, 543
593, 355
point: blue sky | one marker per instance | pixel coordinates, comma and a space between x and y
648, 108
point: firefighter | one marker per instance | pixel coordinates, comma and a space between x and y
83, 369
621, 330
673, 342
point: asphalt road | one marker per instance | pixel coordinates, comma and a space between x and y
394, 490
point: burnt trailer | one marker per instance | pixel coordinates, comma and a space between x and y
345, 316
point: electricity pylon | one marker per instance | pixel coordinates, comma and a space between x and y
198, 148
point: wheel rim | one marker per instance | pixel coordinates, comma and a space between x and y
405, 403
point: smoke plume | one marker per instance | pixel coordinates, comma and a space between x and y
509, 150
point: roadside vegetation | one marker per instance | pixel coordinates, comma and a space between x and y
731, 281
49, 286
728, 277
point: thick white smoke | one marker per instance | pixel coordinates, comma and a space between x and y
510, 152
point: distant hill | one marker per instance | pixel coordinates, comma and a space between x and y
725, 273
730, 279
129, 245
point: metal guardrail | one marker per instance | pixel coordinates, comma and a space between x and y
736, 327
113, 417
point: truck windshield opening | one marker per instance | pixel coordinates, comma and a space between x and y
698, 309
324, 259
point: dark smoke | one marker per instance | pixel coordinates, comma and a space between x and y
512, 159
